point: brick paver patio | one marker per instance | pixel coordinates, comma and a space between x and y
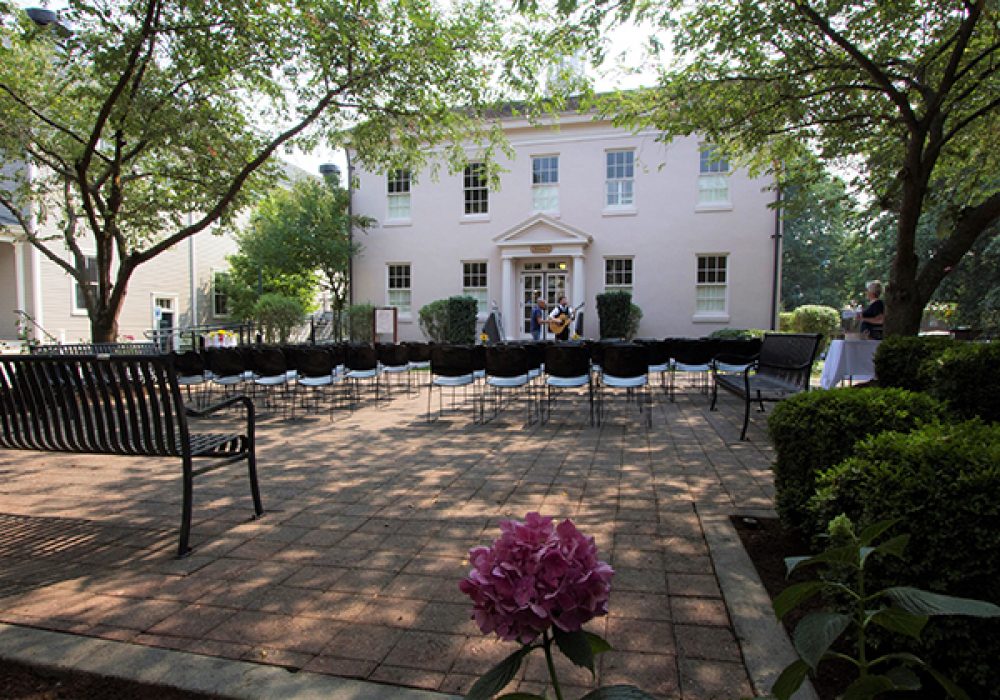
354, 569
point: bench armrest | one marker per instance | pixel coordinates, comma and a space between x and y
736, 359
214, 408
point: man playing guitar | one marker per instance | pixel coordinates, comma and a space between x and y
561, 318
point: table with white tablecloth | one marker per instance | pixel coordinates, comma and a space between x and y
849, 360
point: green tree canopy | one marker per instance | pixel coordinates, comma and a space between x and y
906, 91
154, 120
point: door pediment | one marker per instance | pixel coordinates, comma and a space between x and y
542, 230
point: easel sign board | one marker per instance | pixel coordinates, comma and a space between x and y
386, 322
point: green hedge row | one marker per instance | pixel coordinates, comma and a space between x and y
943, 482
451, 320
907, 450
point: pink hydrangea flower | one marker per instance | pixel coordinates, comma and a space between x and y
534, 576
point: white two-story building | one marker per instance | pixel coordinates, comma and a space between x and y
583, 207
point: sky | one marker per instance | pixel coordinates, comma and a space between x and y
623, 45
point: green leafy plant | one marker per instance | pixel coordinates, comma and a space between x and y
634, 319
899, 360
278, 315
360, 320
944, 480
899, 610
812, 318
738, 333
965, 378
812, 432
615, 314
451, 320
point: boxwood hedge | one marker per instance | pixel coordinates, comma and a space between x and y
899, 360
943, 482
816, 430
967, 378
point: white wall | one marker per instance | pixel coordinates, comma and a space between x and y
664, 234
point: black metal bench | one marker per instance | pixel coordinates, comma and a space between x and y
122, 405
139, 348
782, 369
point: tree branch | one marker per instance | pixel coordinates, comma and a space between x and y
869, 66
41, 116
981, 112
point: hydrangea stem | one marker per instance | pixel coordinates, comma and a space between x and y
552, 667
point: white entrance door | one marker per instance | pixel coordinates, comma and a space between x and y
164, 320
548, 280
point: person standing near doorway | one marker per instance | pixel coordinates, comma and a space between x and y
562, 312
537, 318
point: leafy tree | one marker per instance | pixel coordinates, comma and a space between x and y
155, 120
908, 91
295, 232
817, 219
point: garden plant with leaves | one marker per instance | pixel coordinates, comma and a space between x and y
538, 584
897, 609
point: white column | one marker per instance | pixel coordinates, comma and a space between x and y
579, 282
37, 309
20, 276
507, 298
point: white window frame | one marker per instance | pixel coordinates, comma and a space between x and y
545, 183
616, 177
619, 286
216, 293
75, 291
399, 198
711, 281
475, 169
405, 310
480, 293
713, 176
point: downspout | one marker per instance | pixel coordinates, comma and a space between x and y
778, 233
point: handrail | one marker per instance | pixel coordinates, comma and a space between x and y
28, 317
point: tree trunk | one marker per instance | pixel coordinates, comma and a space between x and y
903, 312
104, 326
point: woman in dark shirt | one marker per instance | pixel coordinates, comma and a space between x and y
873, 315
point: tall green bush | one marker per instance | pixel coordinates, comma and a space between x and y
615, 315
899, 359
811, 318
943, 482
461, 320
451, 320
277, 315
815, 430
785, 321
966, 377
433, 320
361, 323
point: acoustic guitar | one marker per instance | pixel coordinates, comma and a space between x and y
558, 324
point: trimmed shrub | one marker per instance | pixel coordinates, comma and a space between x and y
451, 320
943, 482
634, 318
434, 320
785, 321
811, 318
277, 315
965, 377
898, 360
361, 323
813, 431
738, 333
461, 320
614, 314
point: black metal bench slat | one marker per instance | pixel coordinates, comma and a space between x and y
782, 369
121, 405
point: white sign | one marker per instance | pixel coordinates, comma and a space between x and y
385, 321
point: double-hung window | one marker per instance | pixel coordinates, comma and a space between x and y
398, 292
710, 293
398, 195
474, 284
220, 300
620, 179
476, 190
618, 275
89, 275
713, 177
545, 183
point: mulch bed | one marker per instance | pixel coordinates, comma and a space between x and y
767, 543
21, 682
